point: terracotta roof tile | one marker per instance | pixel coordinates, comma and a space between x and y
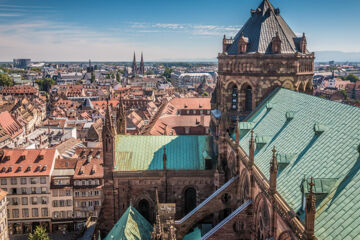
10, 125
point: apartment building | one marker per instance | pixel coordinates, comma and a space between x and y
62, 216
26, 176
4, 234
88, 184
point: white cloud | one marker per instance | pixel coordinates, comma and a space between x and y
10, 15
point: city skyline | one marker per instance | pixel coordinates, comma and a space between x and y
164, 31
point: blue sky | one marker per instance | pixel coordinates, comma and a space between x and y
164, 30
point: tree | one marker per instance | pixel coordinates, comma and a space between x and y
92, 77
45, 84
39, 234
118, 77
205, 94
352, 78
167, 73
6, 80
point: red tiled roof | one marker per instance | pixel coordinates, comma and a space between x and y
191, 103
65, 163
19, 90
92, 168
2, 194
26, 162
10, 125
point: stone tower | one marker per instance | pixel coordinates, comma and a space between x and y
142, 65
134, 66
107, 216
265, 54
121, 118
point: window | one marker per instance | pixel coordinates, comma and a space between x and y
234, 98
55, 203
34, 200
68, 203
15, 201
24, 201
77, 194
13, 181
23, 190
43, 200
90, 203
33, 190
68, 192
62, 203
33, 180
83, 182
83, 194
14, 190
43, 180
3, 181
69, 214
96, 203
23, 180
35, 212
25, 212
83, 204
44, 212
96, 193
15, 213
43, 190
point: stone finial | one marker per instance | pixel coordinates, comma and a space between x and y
273, 172
310, 211
303, 44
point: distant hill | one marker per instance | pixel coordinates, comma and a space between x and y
338, 56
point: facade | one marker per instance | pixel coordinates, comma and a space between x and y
22, 63
265, 54
4, 234
26, 175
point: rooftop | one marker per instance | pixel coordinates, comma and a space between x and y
183, 152
321, 140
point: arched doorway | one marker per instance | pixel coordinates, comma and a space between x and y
144, 209
190, 199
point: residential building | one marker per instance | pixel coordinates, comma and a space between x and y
4, 233
26, 176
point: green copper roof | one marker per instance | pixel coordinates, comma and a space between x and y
194, 235
134, 153
321, 140
131, 226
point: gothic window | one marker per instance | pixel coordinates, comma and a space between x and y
248, 99
285, 236
234, 98
144, 209
263, 222
190, 199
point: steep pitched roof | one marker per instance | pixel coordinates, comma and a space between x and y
10, 125
132, 225
320, 140
262, 27
134, 153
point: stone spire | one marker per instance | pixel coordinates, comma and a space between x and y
164, 159
273, 172
251, 149
121, 118
310, 211
134, 66
142, 65
237, 132
108, 129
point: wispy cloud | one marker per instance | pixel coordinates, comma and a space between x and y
10, 15
209, 30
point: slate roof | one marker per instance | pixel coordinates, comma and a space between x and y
131, 226
262, 27
324, 137
134, 153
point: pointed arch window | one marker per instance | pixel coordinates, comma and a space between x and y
234, 98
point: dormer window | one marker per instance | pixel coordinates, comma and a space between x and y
243, 42
28, 169
276, 44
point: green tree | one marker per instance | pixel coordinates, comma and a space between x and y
39, 234
92, 77
167, 73
205, 94
6, 80
344, 93
352, 78
118, 77
45, 84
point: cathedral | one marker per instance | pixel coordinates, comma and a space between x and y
279, 163
135, 69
